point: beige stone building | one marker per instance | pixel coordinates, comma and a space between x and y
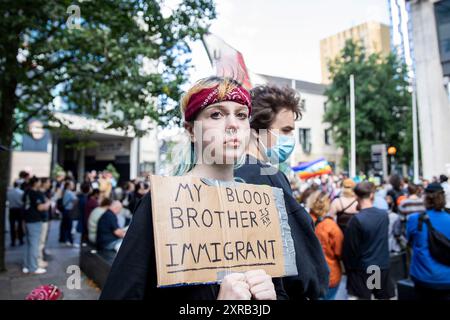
374, 36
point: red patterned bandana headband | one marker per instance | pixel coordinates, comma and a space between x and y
209, 96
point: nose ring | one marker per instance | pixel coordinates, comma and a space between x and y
230, 131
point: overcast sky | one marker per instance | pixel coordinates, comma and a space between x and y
282, 37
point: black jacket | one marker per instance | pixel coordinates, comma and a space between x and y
366, 240
313, 272
133, 273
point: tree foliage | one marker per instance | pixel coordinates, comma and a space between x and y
125, 62
382, 103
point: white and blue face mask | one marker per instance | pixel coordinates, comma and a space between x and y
282, 149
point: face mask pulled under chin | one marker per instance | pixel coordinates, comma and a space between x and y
282, 149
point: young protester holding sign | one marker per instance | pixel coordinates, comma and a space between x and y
220, 106
274, 111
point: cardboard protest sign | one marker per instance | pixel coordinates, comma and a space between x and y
203, 232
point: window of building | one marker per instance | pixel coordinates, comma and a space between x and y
328, 137
305, 139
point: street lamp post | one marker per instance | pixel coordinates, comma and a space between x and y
392, 151
352, 128
415, 135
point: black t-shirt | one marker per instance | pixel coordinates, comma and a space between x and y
133, 273
105, 229
313, 273
32, 199
366, 240
45, 215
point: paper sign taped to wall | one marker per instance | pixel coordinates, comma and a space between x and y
203, 232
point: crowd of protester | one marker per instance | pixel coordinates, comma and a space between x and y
358, 224
96, 208
339, 226
361, 224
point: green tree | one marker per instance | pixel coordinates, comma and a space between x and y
94, 63
382, 103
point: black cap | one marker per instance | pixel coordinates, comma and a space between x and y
434, 187
443, 178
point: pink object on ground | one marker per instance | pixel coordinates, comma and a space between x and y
45, 292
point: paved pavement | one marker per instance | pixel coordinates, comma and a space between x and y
14, 285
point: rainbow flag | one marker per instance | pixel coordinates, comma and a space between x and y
311, 169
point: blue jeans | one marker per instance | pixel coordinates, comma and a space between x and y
331, 293
33, 235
